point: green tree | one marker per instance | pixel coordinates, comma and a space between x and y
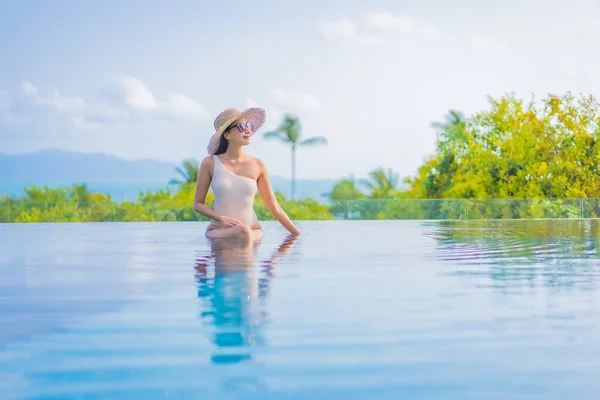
290, 132
188, 171
80, 192
341, 194
451, 131
345, 189
518, 150
382, 184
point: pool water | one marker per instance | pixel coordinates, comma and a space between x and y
349, 310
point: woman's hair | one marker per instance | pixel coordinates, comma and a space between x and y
222, 145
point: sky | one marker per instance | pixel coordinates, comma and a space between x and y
145, 79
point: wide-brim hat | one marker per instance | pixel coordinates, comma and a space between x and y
255, 115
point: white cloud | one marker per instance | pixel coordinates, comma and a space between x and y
480, 42
303, 101
74, 108
340, 32
29, 88
139, 97
179, 105
84, 124
375, 29
387, 23
137, 94
63, 103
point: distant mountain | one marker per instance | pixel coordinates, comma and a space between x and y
68, 166
123, 179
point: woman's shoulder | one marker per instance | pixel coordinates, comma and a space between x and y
208, 160
257, 161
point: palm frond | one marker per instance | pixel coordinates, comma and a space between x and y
314, 141
276, 135
188, 171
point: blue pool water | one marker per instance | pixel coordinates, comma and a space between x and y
350, 310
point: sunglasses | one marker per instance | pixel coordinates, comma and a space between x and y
242, 126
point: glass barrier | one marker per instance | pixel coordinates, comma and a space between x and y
395, 209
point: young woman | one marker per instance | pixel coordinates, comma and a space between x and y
235, 178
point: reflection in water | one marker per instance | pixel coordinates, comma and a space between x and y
555, 253
230, 288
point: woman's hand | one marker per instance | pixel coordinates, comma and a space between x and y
228, 222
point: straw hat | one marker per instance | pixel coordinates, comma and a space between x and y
254, 114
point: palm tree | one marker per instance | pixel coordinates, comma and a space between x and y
189, 172
382, 185
290, 132
80, 192
451, 131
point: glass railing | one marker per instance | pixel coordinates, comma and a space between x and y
466, 209
94, 212
394, 209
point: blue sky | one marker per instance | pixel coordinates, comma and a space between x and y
145, 79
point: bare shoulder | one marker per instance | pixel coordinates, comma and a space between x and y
207, 161
207, 164
258, 162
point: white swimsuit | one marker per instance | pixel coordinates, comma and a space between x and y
234, 194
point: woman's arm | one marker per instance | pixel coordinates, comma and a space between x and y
266, 192
202, 184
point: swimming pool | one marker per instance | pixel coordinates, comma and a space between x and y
350, 310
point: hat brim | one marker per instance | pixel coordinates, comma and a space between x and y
255, 115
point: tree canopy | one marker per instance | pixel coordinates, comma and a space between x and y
516, 150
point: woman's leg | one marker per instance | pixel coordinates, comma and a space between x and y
243, 233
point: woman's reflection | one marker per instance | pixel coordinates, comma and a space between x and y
231, 296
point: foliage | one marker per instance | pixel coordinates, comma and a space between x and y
188, 171
513, 161
383, 184
515, 150
54, 205
43, 204
341, 194
350, 202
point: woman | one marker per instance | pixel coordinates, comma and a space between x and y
235, 177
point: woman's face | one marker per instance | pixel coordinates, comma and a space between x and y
240, 132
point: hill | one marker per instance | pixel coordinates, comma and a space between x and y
121, 178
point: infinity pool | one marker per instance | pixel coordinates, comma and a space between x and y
350, 310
